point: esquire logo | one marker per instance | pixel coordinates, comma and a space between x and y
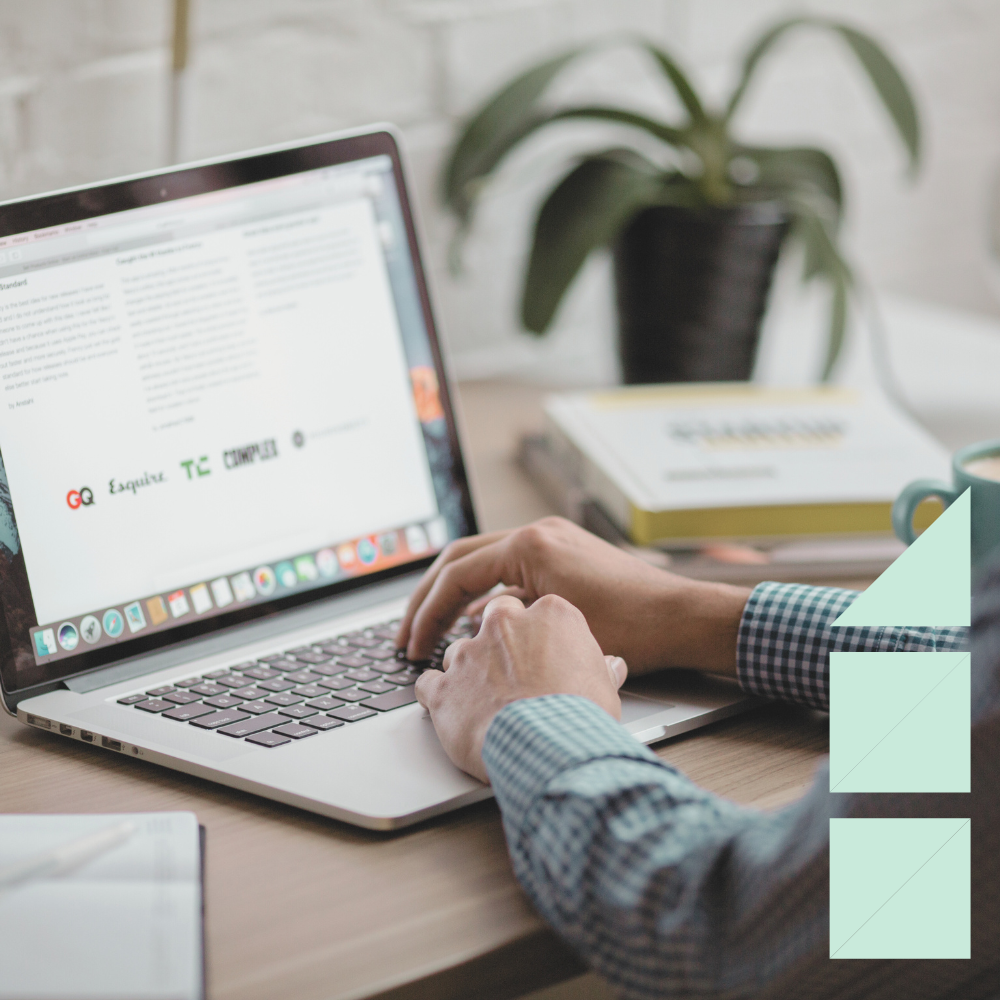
83, 497
132, 485
250, 453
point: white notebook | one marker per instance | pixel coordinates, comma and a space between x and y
126, 924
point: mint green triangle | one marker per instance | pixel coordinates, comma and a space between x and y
929, 584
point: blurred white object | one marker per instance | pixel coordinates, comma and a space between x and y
947, 364
124, 924
64, 858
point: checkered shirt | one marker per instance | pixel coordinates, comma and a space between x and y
785, 640
667, 890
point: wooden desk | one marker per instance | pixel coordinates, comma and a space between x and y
305, 907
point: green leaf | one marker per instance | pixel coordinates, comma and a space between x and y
757, 52
814, 261
586, 210
796, 168
681, 84
498, 125
814, 229
885, 77
891, 87
491, 157
838, 325
678, 137
511, 115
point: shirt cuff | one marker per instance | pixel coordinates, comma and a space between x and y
786, 635
531, 741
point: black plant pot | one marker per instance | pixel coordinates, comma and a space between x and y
691, 290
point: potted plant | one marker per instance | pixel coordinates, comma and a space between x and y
694, 236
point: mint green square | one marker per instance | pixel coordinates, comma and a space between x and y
900, 888
900, 722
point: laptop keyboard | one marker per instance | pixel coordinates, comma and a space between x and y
300, 692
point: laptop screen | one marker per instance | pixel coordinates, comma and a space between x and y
213, 406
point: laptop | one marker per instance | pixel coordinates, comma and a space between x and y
229, 451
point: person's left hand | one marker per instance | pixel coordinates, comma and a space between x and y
519, 653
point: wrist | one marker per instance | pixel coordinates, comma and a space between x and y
697, 625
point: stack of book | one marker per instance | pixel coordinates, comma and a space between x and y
735, 481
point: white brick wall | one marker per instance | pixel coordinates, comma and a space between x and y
83, 91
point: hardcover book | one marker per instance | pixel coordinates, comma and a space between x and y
692, 462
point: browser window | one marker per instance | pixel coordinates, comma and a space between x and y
214, 402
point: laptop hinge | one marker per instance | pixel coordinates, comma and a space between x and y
243, 635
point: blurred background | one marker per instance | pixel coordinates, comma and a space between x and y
86, 93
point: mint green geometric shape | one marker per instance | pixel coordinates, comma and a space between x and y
928, 584
900, 722
900, 888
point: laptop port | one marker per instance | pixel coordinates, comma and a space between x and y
111, 744
65, 730
87, 737
35, 720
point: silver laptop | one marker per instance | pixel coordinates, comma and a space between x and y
229, 452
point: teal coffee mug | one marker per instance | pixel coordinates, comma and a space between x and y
975, 468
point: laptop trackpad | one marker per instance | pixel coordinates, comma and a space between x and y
635, 707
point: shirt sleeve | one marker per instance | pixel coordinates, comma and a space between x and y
666, 889
786, 636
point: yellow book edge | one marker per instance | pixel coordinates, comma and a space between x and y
648, 527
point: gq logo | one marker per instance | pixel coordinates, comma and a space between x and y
82, 497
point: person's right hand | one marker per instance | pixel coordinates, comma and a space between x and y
646, 615
519, 653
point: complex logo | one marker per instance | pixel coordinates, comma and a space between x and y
249, 453
196, 467
83, 497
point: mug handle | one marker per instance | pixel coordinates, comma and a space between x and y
907, 502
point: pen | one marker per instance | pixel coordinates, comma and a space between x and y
62, 859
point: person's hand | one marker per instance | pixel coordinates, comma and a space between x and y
650, 617
519, 653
